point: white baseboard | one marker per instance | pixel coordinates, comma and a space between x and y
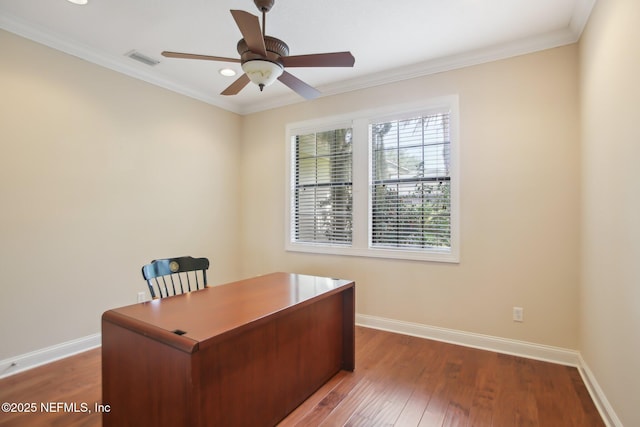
46, 355
502, 345
609, 416
484, 342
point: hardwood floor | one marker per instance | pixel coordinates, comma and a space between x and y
399, 381
76, 379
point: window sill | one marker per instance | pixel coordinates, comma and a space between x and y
448, 256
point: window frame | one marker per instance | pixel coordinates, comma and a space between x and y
359, 122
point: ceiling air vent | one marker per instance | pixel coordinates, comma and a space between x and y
142, 58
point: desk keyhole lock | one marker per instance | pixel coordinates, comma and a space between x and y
179, 332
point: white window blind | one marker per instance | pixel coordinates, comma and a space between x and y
411, 183
322, 205
381, 182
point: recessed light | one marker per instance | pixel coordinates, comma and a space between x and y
227, 72
81, 2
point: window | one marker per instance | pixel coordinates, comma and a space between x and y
377, 183
322, 189
410, 183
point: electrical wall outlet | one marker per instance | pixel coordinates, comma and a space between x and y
518, 314
142, 297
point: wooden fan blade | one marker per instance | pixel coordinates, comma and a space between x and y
196, 56
335, 59
249, 26
298, 86
236, 86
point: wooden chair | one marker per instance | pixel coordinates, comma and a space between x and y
174, 276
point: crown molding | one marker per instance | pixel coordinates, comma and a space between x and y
15, 25
546, 41
568, 35
580, 17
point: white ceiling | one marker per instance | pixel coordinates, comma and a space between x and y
390, 40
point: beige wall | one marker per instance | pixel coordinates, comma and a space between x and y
610, 294
99, 174
519, 197
89, 153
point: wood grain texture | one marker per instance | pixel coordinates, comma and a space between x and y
398, 381
250, 353
73, 379
225, 309
408, 381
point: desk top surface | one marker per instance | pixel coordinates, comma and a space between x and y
217, 311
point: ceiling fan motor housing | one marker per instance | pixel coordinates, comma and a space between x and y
275, 48
263, 70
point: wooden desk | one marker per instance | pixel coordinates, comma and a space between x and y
242, 354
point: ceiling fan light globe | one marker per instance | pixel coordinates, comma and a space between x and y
262, 72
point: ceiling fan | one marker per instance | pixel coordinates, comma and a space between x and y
264, 58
